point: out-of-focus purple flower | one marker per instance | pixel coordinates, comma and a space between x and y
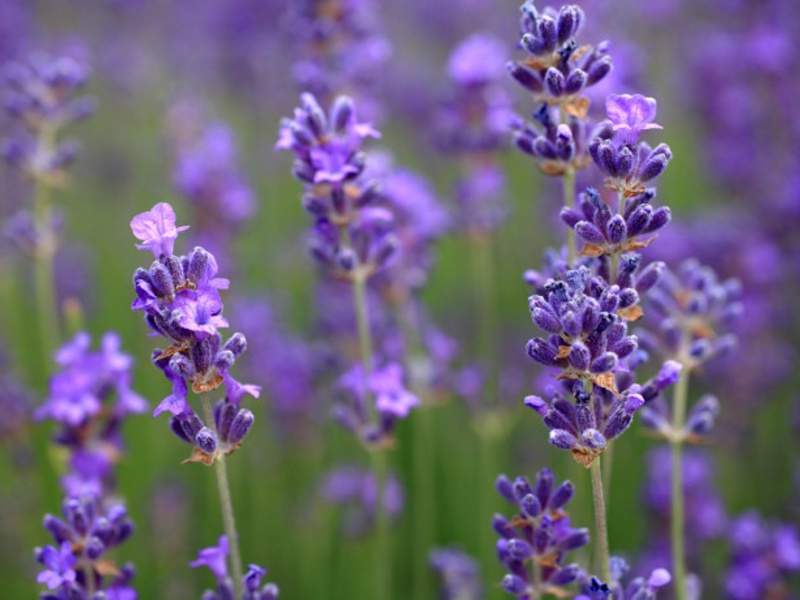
89, 529
41, 97
631, 115
692, 313
392, 401
58, 564
355, 490
459, 574
639, 588
763, 556
534, 542
340, 49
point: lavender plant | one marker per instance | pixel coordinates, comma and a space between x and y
90, 397
42, 98
179, 296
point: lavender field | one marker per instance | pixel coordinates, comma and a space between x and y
351, 299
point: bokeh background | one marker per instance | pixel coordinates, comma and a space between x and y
726, 78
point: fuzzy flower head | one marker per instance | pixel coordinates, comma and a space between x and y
180, 299
58, 563
376, 402
156, 229
631, 115
538, 537
459, 574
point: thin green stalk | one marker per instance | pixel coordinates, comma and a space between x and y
678, 525
423, 447
46, 301
383, 555
484, 286
569, 201
226, 505
383, 570
601, 526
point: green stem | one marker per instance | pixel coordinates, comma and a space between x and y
228, 521
46, 301
569, 201
677, 521
383, 554
601, 526
383, 570
483, 279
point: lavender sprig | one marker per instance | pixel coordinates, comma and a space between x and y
179, 296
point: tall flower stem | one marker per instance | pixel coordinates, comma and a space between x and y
568, 180
226, 505
383, 556
424, 446
484, 285
601, 526
677, 521
46, 301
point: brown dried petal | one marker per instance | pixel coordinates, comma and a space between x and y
607, 382
578, 108
631, 313
208, 386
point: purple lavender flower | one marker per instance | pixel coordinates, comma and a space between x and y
341, 49
179, 296
41, 97
392, 402
356, 491
538, 537
585, 318
156, 229
639, 588
206, 173
459, 574
214, 558
591, 423
763, 556
627, 162
90, 396
633, 225
89, 529
693, 311
631, 115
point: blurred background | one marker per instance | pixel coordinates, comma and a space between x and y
189, 96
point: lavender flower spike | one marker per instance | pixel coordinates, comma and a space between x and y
631, 115
214, 559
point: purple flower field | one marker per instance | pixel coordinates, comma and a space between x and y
264, 268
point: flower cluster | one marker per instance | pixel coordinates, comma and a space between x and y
694, 311
587, 426
627, 162
206, 173
639, 588
556, 73
472, 125
179, 296
355, 490
41, 97
557, 70
586, 320
374, 425
78, 562
340, 49
458, 572
604, 233
764, 555
89, 398
538, 537
351, 238
215, 560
